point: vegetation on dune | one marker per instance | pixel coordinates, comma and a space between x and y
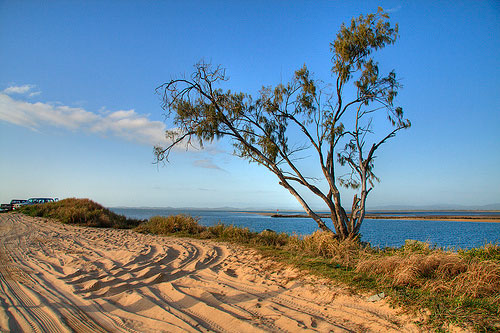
446, 287
83, 212
185, 225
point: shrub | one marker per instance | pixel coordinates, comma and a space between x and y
236, 234
415, 246
487, 252
161, 225
213, 232
271, 238
80, 211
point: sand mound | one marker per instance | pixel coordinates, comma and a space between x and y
60, 278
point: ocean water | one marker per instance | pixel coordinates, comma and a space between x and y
379, 232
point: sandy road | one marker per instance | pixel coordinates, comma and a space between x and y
60, 278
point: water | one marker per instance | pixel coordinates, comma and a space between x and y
378, 232
437, 213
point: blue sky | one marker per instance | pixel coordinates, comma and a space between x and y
79, 116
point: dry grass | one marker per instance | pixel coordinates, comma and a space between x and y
323, 244
478, 280
456, 287
437, 271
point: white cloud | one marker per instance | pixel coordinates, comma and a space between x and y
22, 90
132, 126
35, 93
126, 124
121, 114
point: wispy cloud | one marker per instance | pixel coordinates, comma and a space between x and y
34, 93
26, 89
126, 124
205, 189
207, 164
394, 9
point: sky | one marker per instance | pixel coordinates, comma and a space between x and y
79, 115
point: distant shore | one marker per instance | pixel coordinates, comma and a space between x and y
456, 218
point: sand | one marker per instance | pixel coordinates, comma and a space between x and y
61, 278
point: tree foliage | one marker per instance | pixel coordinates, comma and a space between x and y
337, 130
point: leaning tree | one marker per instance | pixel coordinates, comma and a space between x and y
338, 130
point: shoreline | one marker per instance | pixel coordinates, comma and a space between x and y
447, 218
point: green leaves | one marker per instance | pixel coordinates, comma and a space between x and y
356, 42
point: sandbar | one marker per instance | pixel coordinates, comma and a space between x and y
456, 218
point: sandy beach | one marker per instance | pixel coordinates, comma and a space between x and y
61, 278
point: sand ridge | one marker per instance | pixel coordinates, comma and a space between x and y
61, 278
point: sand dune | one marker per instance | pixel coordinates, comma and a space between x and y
60, 278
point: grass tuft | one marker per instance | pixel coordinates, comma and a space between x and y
323, 244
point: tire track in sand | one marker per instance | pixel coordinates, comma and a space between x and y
119, 280
26, 294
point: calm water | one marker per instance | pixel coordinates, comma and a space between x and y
378, 232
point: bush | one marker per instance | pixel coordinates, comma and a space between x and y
161, 225
239, 235
487, 252
83, 212
213, 232
271, 238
